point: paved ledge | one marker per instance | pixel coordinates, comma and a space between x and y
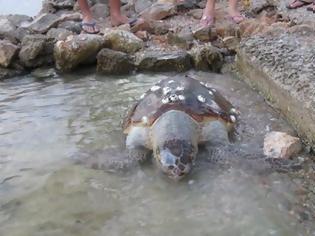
283, 69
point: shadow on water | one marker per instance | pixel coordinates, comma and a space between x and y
49, 126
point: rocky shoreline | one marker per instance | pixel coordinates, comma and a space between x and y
170, 40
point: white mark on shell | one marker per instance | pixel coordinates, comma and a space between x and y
166, 90
155, 88
165, 100
233, 110
214, 90
173, 98
145, 120
211, 93
202, 83
181, 97
201, 98
208, 85
171, 81
142, 96
180, 88
233, 118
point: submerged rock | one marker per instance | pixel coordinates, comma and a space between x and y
281, 145
123, 41
6, 73
42, 73
206, 57
114, 62
7, 52
37, 50
163, 61
77, 50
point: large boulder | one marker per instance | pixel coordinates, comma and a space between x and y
62, 4
7, 29
281, 145
206, 57
36, 50
163, 61
114, 62
123, 41
77, 50
183, 38
7, 52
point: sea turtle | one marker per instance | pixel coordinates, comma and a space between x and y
172, 118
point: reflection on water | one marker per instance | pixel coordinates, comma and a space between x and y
28, 7
47, 124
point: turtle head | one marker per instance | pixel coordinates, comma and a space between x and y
175, 158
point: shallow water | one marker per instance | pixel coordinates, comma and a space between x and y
47, 124
28, 7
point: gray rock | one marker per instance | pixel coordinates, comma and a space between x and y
47, 21
114, 62
158, 27
73, 26
77, 50
59, 34
206, 57
7, 28
6, 73
7, 52
163, 61
141, 5
123, 41
44, 22
18, 20
62, 4
36, 50
44, 72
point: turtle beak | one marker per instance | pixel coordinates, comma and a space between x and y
172, 165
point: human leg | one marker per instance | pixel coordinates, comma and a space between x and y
208, 14
234, 13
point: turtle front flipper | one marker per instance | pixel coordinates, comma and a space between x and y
214, 133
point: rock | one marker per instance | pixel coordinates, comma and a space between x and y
206, 57
281, 145
114, 62
47, 21
163, 61
7, 52
36, 50
19, 20
159, 11
196, 13
6, 73
184, 38
205, 34
226, 29
73, 26
123, 41
43, 73
231, 42
62, 4
7, 29
158, 27
44, 22
141, 5
59, 34
143, 35
100, 11
77, 50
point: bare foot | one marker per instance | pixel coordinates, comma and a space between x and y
236, 17
117, 20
